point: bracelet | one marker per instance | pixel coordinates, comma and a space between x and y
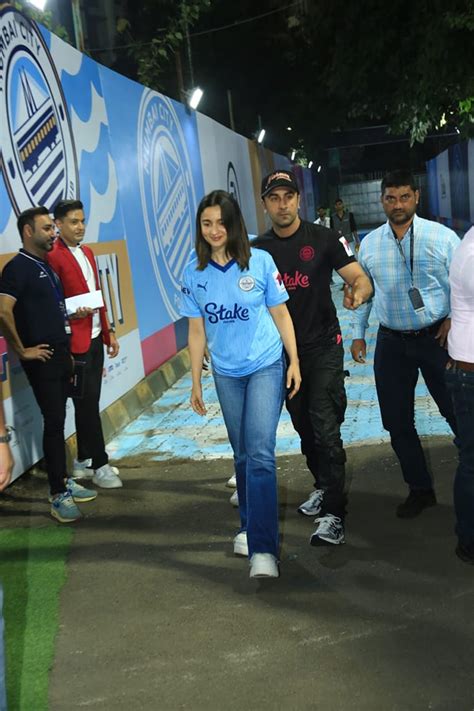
4, 439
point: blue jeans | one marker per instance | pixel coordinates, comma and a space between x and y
251, 406
3, 690
460, 384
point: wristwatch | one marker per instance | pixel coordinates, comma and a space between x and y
6, 437
111, 330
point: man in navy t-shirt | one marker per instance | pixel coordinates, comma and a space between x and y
306, 254
34, 322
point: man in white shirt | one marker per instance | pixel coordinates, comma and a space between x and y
323, 218
90, 331
460, 381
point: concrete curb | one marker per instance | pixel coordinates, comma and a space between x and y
135, 401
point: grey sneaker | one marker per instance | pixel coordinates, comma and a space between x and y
234, 499
64, 509
330, 530
312, 506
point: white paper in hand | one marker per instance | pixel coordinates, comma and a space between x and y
89, 300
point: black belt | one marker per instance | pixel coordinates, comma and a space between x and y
413, 334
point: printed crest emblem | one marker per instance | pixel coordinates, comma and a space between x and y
247, 283
38, 157
167, 194
307, 253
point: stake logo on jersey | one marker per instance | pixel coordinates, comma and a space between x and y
38, 157
220, 312
307, 253
167, 193
279, 281
346, 246
290, 282
247, 283
233, 183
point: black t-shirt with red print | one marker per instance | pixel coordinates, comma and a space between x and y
306, 261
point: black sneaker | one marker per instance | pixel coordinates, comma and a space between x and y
465, 553
416, 501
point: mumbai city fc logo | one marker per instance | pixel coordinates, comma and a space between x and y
232, 183
167, 194
38, 157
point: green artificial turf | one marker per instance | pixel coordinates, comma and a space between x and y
32, 571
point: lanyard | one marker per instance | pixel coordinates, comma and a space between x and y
402, 253
54, 281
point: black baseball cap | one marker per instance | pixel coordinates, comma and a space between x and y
279, 179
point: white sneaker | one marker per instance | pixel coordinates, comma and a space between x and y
234, 499
82, 469
107, 477
264, 565
240, 544
232, 482
312, 506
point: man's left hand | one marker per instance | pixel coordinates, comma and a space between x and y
442, 335
114, 346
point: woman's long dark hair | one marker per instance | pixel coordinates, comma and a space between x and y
238, 246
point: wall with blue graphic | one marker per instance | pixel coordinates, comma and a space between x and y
140, 163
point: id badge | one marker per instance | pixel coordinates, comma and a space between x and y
416, 299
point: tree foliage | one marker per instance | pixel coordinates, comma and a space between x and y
405, 64
44, 18
155, 31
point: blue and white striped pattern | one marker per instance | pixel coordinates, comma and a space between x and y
434, 245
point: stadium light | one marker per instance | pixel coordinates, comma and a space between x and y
39, 4
319, 168
195, 97
261, 135
293, 154
310, 164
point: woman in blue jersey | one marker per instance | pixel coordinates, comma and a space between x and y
234, 299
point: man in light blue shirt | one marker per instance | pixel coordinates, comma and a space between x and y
408, 260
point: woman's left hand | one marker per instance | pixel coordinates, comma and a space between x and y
197, 403
293, 377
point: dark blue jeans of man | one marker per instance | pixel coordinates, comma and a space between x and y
251, 406
317, 412
461, 387
398, 361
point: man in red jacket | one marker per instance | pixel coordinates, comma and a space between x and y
91, 330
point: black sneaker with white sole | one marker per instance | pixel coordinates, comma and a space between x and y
312, 506
329, 531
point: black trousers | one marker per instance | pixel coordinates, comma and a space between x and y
317, 412
397, 362
90, 438
50, 382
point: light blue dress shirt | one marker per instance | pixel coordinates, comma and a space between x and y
389, 270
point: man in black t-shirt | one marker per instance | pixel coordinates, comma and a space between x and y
305, 255
33, 320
